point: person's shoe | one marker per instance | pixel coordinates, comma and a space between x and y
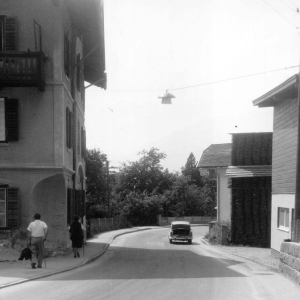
78, 254
39, 266
33, 265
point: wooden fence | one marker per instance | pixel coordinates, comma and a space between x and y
95, 226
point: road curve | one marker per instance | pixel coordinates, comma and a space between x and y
143, 265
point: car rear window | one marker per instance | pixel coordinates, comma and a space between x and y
181, 226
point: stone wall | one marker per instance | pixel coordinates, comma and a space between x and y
290, 260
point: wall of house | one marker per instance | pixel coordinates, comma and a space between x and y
284, 147
224, 208
283, 167
278, 235
42, 121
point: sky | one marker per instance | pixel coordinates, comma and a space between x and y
205, 52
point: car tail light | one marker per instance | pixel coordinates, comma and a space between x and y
171, 233
191, 233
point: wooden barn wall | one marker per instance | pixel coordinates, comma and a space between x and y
284, 147
250, 149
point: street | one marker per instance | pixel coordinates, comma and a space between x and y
143, 265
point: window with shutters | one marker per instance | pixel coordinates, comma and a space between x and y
9, 207
8, 34
9, 120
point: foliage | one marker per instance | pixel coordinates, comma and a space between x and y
96, 183
143, 189
190, 169
144, 175
142, 209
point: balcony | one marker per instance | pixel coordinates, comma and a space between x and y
22, 69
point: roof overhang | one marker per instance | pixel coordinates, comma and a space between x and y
88, 18
284, 91
249, 171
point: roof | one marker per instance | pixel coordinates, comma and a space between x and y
286, 90
216, 155
88, 18
249, 171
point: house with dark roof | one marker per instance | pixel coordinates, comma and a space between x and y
285, 160
215, 161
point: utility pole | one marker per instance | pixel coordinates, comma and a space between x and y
108, 190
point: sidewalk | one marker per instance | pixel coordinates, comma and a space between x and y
15, 272
259, 255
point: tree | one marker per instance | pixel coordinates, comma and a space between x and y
143, 176
190, 169
183, 198
96, 183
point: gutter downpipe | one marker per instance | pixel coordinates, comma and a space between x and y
297, 192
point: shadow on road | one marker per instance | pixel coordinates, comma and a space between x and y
135, 263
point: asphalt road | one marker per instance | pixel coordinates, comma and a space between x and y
143, 265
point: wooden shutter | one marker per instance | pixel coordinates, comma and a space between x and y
13, 208
68, 127
73, 131
83, 143
10, 38
11, 119
67, 54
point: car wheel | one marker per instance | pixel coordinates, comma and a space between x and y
190, 242
171, 242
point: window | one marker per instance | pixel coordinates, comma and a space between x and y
283, 218
9, 207
9, 120
8, 34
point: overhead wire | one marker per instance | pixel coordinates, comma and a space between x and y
282, 16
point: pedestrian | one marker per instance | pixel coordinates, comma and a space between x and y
76, 235
37, 234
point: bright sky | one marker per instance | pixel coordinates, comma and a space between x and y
155, 45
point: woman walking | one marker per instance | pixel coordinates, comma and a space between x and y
76, 235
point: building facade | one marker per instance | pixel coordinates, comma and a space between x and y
49, 48
285, 136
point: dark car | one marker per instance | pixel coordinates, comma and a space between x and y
180, 231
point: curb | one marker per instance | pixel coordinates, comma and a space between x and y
89, 260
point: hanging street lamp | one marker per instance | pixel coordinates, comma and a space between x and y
166, 98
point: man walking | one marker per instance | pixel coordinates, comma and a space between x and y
37, 234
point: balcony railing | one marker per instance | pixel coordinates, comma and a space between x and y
22, 69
